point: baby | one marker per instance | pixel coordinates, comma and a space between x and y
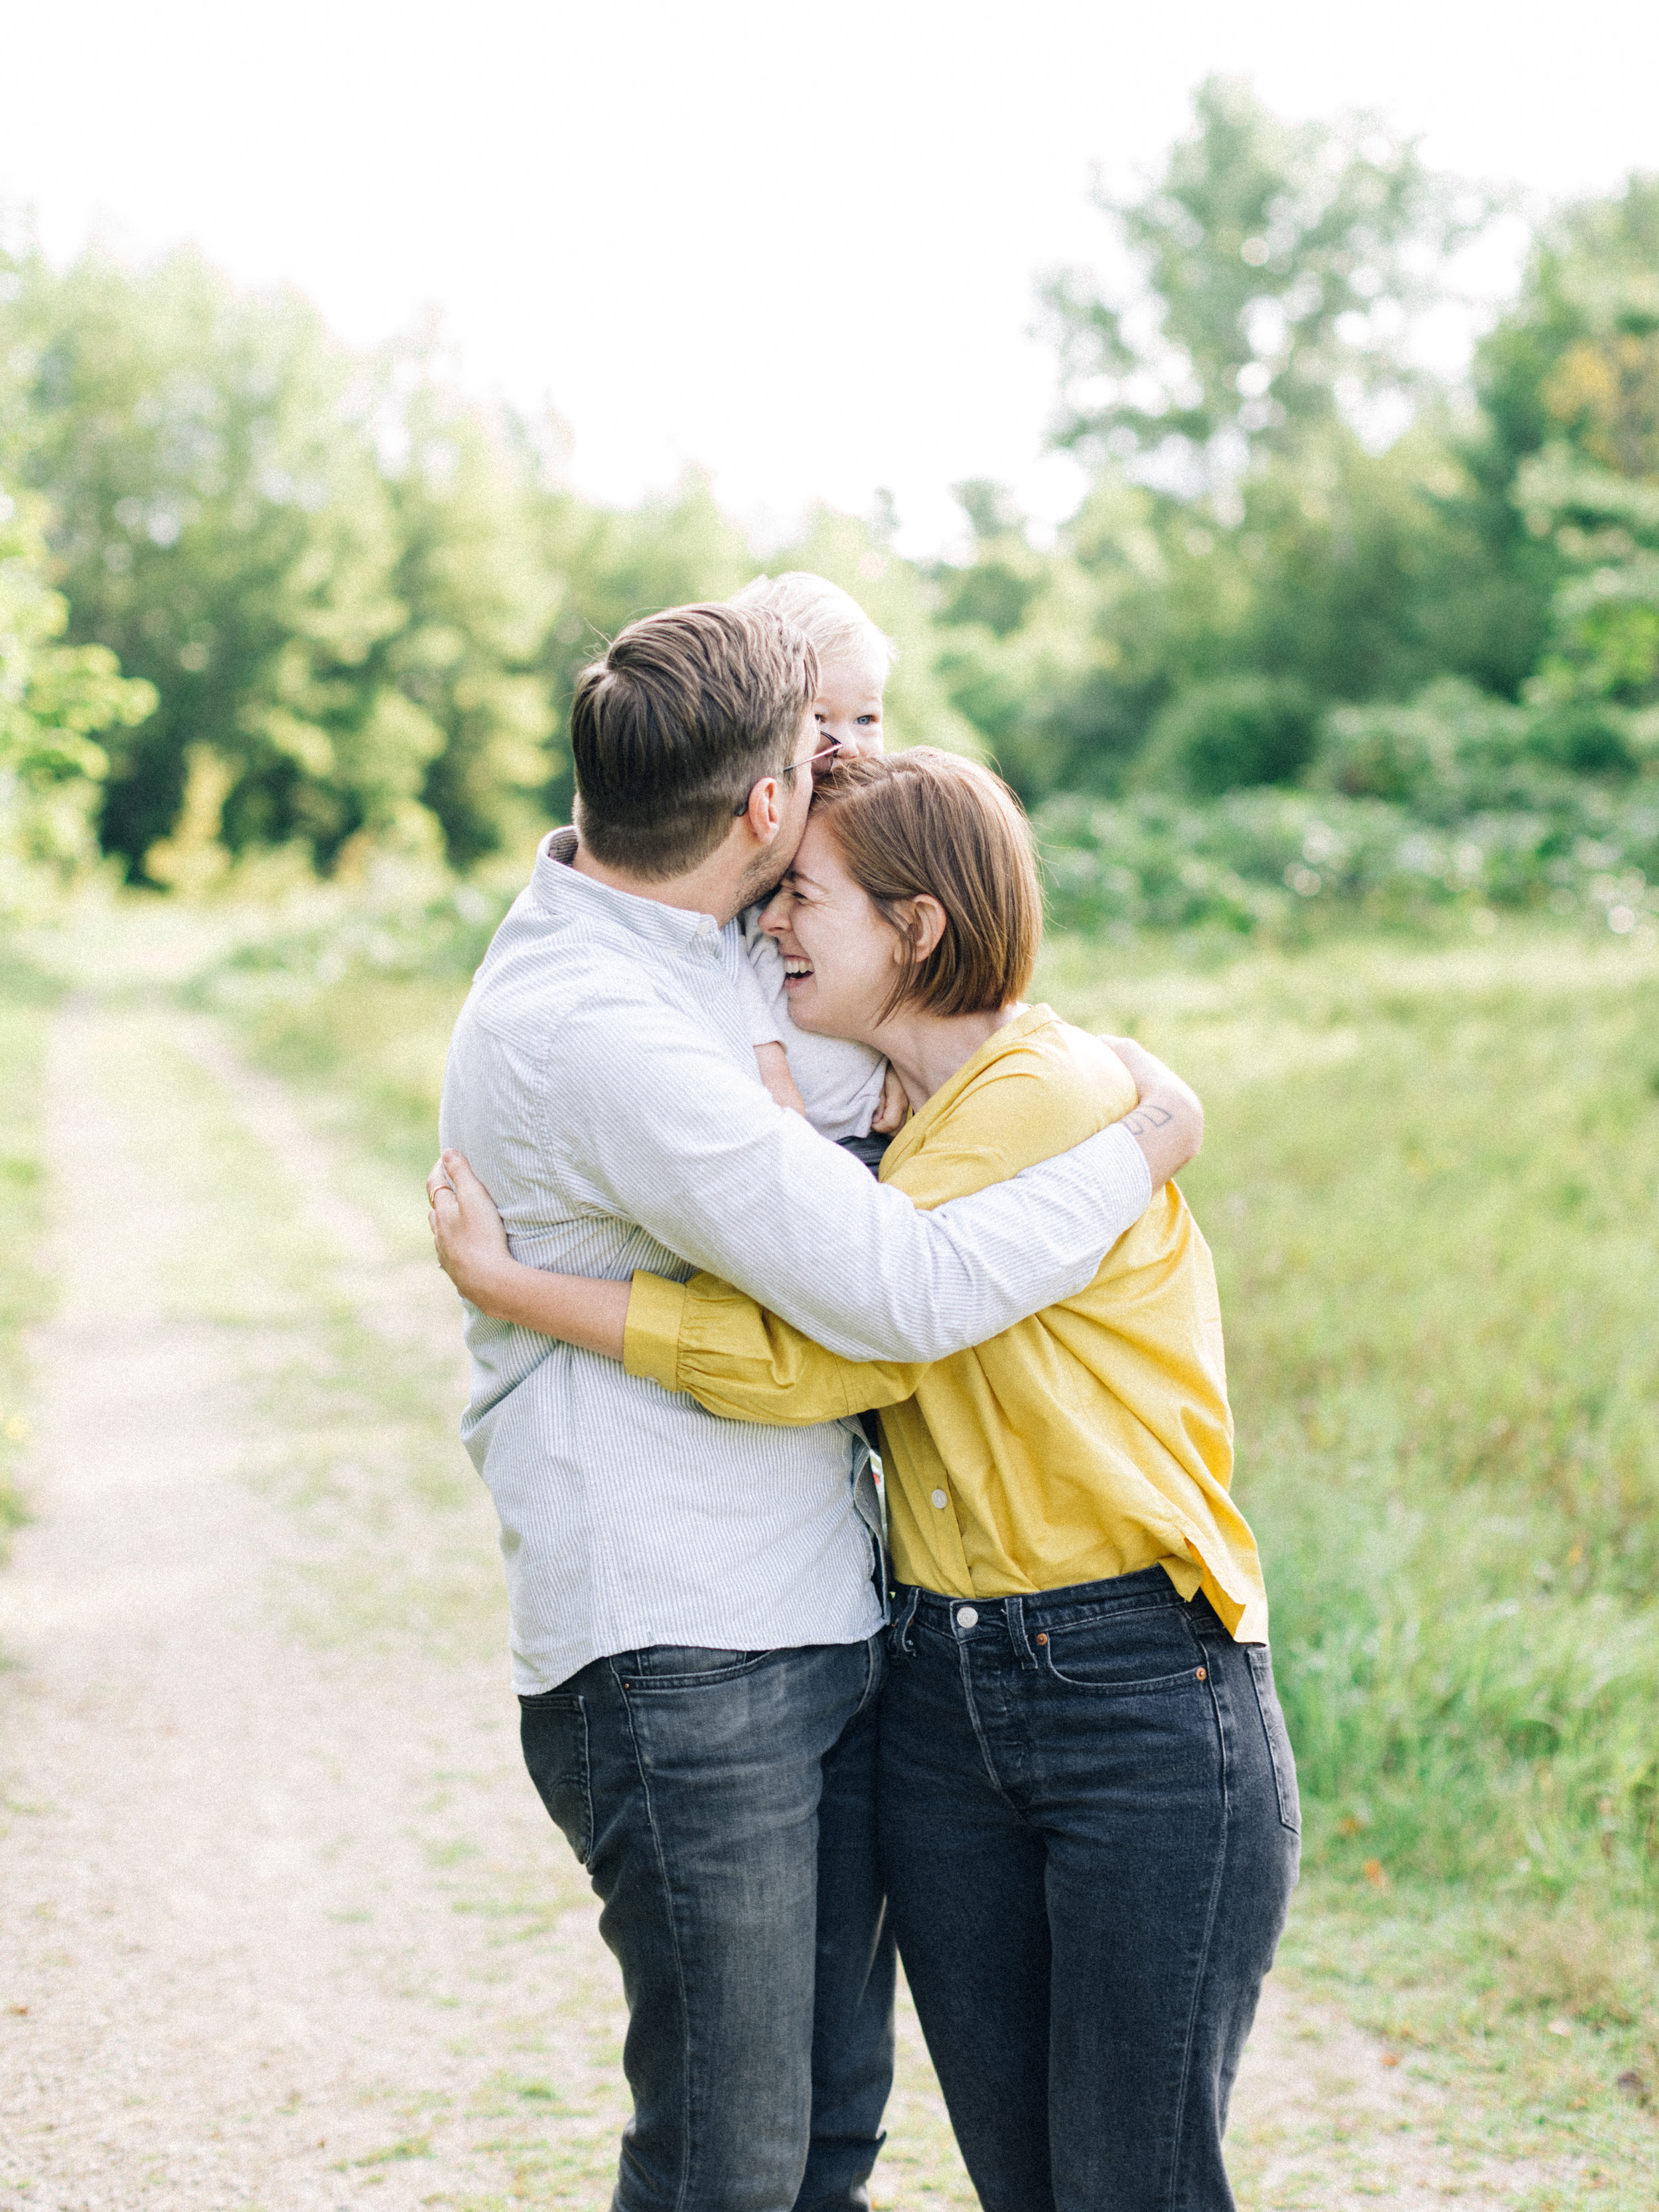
846, 1091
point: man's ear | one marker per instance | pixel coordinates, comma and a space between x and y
922, 923
764, 812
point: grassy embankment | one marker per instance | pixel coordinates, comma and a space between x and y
24, 1002
1432, 1185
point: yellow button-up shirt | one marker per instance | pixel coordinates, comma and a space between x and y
1092, 1440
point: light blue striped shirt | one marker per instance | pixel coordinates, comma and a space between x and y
602, 1081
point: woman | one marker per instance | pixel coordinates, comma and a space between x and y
1089, 1811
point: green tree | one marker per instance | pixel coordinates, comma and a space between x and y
1571, 379
1576, 358
1346, 574
461, 683
1606, 528
220, 523
1280, 266
56, 701
609, 566
1279, 495
1027, 647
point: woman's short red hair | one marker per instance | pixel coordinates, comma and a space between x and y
929, 822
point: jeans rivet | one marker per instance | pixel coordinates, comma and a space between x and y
1042, 1636
1203, 1674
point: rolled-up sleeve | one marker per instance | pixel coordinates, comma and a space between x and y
651, 1338
736, 1358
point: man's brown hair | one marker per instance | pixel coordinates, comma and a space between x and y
930, 821
675, 726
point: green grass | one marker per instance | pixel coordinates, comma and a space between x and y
1431, 1180
392, 1536
1432, 1186
371, 1050
25, 1003
1535, 2024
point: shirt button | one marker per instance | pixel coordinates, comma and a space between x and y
967, 1616
939, 1499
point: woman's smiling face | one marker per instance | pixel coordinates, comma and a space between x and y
840, 960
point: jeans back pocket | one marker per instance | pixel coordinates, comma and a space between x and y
1279, 1740
553, 1729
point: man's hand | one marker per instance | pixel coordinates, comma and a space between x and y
467, 1230
1168, 1124
889, 1117
774, 1064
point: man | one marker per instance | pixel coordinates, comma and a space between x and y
696, 1603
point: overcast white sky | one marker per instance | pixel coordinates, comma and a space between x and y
793, 243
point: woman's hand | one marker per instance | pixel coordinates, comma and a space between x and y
471, 1241
467, 1230
889, 1117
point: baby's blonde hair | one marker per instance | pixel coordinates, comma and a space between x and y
835, 623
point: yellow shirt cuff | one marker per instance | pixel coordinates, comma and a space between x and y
651, 1335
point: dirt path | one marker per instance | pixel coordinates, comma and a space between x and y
281, 1921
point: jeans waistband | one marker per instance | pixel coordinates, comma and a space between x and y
1020, 1617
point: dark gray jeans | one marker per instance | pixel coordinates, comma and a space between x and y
1089, 1824
723, 1804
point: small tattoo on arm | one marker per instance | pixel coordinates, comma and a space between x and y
1148, 1117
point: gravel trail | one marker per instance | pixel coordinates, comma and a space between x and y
283, 1921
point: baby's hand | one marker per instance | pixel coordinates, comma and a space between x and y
774, 1063
889, 1117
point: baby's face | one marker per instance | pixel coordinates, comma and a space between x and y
849, 704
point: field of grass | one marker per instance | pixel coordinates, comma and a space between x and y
1431, 1180
1432, 1185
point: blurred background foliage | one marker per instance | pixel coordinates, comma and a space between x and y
1325, 628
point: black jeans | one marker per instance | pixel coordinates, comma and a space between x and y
723, 1804
1089, 1826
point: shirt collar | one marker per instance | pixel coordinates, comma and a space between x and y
558, 888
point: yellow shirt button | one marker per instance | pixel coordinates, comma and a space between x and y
939, 1499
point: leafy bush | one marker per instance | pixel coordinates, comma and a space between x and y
1453, 799
400, 923
1238, 731
1454, 752
55, 700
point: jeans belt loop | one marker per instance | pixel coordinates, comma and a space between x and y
1014, 1612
